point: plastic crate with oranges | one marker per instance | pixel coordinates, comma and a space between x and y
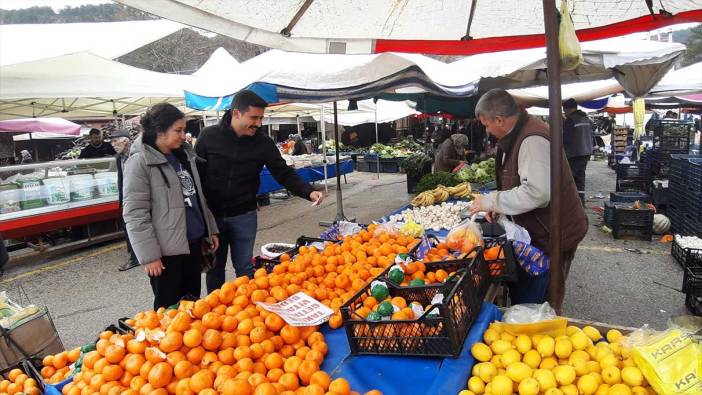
442, 312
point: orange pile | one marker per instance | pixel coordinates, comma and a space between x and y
335, 274
57, 367
17, 382
226, 344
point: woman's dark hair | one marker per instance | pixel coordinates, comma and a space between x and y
157, 120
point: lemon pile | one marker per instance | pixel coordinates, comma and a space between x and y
578, 363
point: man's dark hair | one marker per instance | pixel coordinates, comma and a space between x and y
570, 104
94, 131
157, 120
245, 99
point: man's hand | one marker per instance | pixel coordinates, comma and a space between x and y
477, 206
214, 243
316, 197
154, 268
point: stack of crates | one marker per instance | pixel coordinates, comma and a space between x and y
670, 136
691, 261
619, 136
685, 204
633, 177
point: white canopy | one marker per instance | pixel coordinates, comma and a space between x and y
83, 85
302, 77
388, 111
110, 40
327, 77
580, 91
636, 64
684, 81
362, 26
220, 69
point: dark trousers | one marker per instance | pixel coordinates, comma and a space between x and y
534, 289
180, 278
130, 250
578, 165
237, 236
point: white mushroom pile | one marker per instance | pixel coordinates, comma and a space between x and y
435, 217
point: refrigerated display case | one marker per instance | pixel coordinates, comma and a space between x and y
41, 197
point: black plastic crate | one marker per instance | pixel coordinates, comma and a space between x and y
632, 185
633, 171
389, 166
694, 173
32, 368
691, 225
268, 263
671, 128
692, 280
504, 268
673, 145
362, 165
629, 197
693, 302
633, 223
686, 256
693, 204
440, 335
660, 195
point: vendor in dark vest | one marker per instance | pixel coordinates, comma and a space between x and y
524, 191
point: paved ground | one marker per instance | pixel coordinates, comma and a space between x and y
85, 292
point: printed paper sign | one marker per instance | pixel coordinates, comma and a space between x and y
424, 247
299, 310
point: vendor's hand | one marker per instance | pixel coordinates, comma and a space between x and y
316, 197
154, 268
476, 205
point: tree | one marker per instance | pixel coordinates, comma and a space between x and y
694, 47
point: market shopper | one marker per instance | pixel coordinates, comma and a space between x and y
451, 152
97, 147
235, 152
121, 143
578, 142
524, 191
26, 157
168, 220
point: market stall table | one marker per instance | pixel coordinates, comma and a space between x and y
309, 174
401, 374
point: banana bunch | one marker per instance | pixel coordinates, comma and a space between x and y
461, 190
440, 194
425, 198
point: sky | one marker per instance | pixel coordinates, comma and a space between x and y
55, 4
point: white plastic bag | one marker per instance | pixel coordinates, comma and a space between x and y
514, 231
529, 313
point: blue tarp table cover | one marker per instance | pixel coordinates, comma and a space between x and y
405, 375
309, 174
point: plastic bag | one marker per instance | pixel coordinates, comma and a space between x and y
531, 319
514, 231
568, 44
531, 259
670, 361
528, 312
465, 237
390, 228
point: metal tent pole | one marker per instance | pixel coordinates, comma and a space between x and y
297, 120
556, 279
377, 157
324, 147
339, 199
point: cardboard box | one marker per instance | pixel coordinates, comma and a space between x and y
36, 337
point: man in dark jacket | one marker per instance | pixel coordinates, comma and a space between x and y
97, 148
121, 143
235, 152
577, 141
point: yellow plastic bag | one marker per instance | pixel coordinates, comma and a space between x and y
554, 327
670, 361
568, 44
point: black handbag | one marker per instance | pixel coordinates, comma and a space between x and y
208, 258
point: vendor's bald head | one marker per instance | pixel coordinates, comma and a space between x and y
497, 111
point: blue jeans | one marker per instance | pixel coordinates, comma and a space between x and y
237, 235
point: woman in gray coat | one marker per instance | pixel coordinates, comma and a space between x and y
167, 218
